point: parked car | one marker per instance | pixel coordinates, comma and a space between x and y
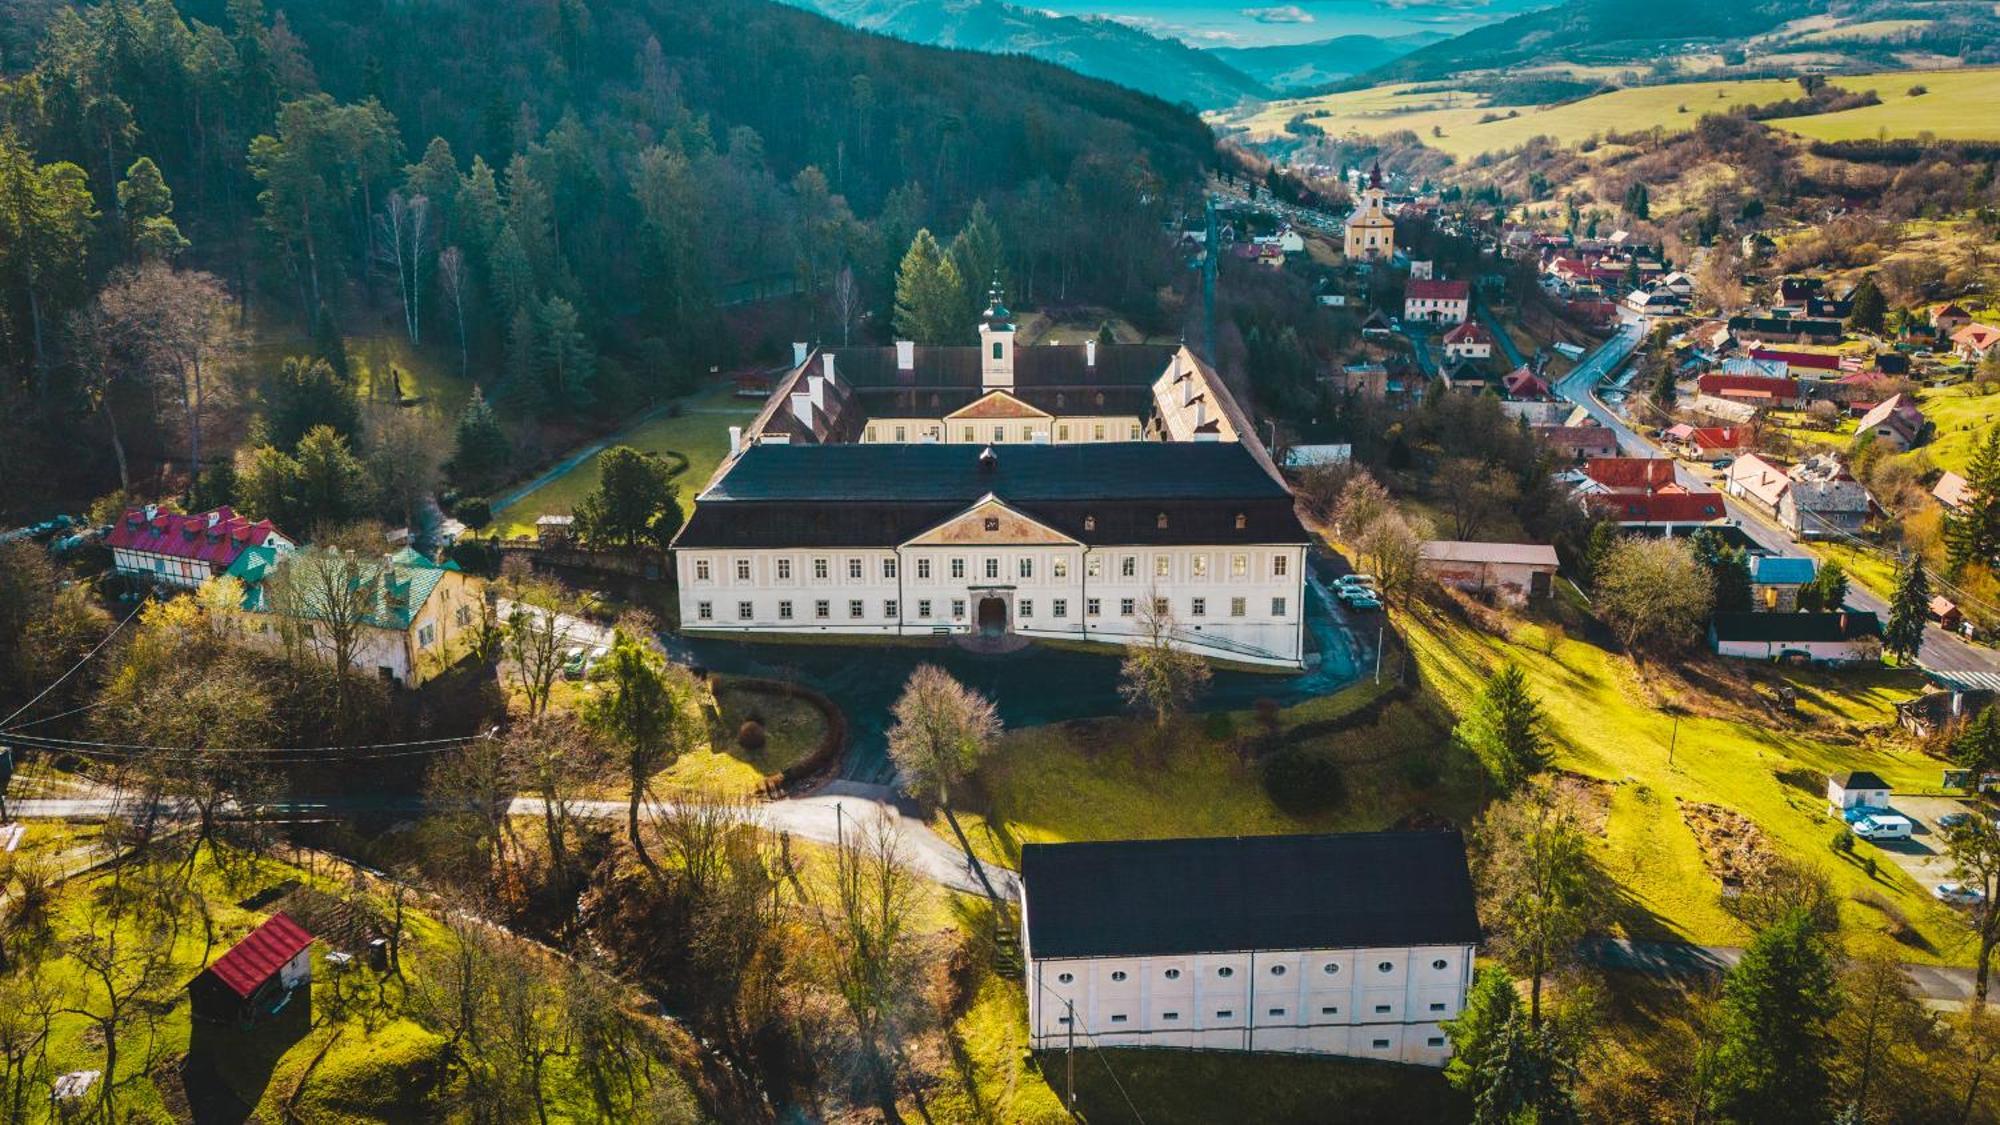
1959, 894
1883, 826
1721, 463
1364, 602
572, 668
1954, 819
1346, 580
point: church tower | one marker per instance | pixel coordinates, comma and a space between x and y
996, 344
1371, 233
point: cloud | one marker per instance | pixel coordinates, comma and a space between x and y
1288, 13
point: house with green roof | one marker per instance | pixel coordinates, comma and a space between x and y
414, 617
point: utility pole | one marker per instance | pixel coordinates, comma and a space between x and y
1380, 633
1069, 1057
1672, 739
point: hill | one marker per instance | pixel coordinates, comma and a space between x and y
1303, 66
1592, 31
1100, 48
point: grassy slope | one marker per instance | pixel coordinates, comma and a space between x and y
701, 434
1962, 418
1724, 754
1962, 104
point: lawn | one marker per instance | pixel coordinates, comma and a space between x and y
1961, 105
1611, 726
1205, 1086
1864, 566
1962, 416
700, 432
371, 357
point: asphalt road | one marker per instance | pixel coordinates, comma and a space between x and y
1672, 958
1943, 653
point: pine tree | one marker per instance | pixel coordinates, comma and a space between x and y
1479, 1032
568, 361
147, 204
1773, 1039
1638, 201
1972, 534
481, 445
930, 300
1506, 729
980, 258
1909, 611
1728, 568
1827, 592
1977, 746
1870, 309
520, 384
329, 344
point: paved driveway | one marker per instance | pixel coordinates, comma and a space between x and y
1922, 855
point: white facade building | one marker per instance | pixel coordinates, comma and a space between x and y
1358, 944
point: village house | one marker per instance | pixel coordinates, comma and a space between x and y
173, 549
1437, 302
1359, 944
1523, 385
1578, 443
1897, 420
1953, 492
1949, 318
1369, 235
1775, 582
1753, 390
1817, 497
1846, 637
1856, 789
1709, 442
1974, 342
1470, 340
1775, 327
414, 618
1945, 613
1511, 572
257, 978
1644, 492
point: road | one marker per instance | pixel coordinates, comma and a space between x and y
1500, 337
1679, 959
1943, 653
822, 817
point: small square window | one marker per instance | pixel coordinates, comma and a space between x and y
889, 609
923, 569
784, 611
822, 609
1060, 607
705, 611
1093, 607
1027, 607
743, 570
1242, 521
1198, 607
1237, 606
923, 607
1277, 607
1126, 607
745, 611
854, 608
958, 609
1160, 608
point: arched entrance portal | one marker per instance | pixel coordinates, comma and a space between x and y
992, 616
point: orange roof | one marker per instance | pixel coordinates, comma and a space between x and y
997, 404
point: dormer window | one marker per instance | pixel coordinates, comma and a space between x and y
1100, 398
1160, 521
1090, 523
1059, 400
1242, 521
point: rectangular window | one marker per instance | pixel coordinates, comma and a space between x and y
1434, 1041
958, 609
923, 569
1162, 566
868, 434
705, 611
923, 607
1381, 1044
999, 434
1059, 568
1201, 566
1027, 607
819, 569
1093, 567
1239, 565
889, 609
1026, 567
822, 609
1097, 432
1061, 607
1135, 431
743, 570
958, 568
1277, 607
992, 568
1093, 607
784, 611
969, 436
745, 611
1198, 608
1170, 1016
1062, 433
901, 434
1237, 606
854, 568
464, 615
1437, 1007
1128, 567
1160, 607
1277, 1011
701, 570
1126, 607
1381, 1009
1278, 564
889, 568
1225, 1014
784, 570
854, 608
426, 635
1329, 1011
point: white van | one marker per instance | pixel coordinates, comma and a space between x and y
1883, 826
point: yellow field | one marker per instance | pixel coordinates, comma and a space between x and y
1960, 105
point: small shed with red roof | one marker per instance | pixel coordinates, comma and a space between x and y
178, 549
257, 977
1706, 441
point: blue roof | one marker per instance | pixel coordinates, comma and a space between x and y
1781, 570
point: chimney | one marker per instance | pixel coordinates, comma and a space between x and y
989, 461
798, 353
802, 408
816, 390
1201, 412
735, 440
826, 365
906, 355
1090, 353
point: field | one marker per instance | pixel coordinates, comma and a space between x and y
1961, 417
700, 433
371, 360
1960, 105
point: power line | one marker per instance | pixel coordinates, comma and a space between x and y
1095, 1046
432, 746
23, 709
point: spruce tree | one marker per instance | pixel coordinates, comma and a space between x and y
1773, 1042
1827, 592
1909, 611
1506, 729
980, 258
1869, 310
930, 299
1977, 746
481, 449
1972, 534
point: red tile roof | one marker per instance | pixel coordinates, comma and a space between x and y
215, 537
1523, 383
1748, 386
1660, 507
1471, 332
259, 956
1578, 437
1816, 361
1435, 290
1717, 438
1631, 472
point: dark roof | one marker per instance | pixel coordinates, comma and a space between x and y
259, 956
1035, 365
1860, 779
1847, 625
1135, 898
880, 495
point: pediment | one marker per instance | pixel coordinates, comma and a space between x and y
995, 405
990, 522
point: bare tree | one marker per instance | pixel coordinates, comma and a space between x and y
1158, 676
27, 1021
867, 921
534, 640
406, 451
553, 758
122, 973
404, 228
942, 729
1391, 547
1974, 850
327, 596
1533, 866
452, 271
848, 303
177, 325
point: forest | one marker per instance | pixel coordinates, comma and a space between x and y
577, 206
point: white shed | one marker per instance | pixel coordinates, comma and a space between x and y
1856, 789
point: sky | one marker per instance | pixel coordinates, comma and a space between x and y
1250, 23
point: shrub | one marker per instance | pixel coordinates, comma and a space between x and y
750, 736
1843, 841
1303, 780
1218, 726
1919, 90
474, 512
